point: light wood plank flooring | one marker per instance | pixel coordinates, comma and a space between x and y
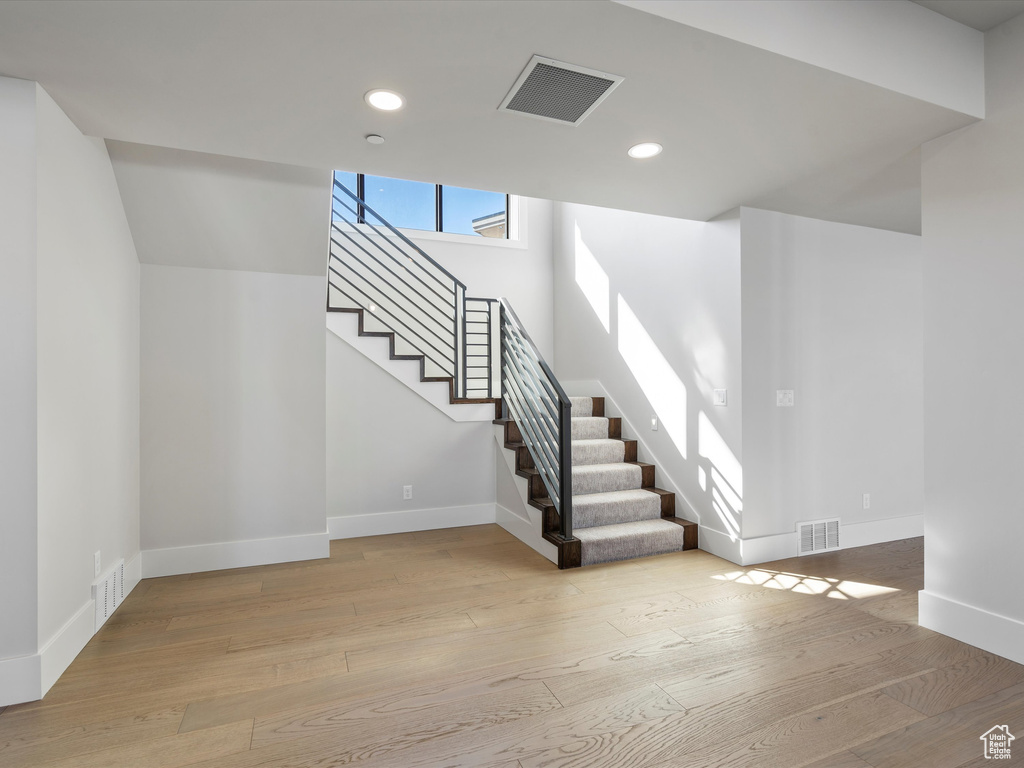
463, 647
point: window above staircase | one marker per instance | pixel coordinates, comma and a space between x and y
424, 208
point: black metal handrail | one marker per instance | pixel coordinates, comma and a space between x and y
378, 269
361, 219
480, 343
532, 396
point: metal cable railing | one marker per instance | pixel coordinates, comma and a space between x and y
481, 368
479, 343
532, 396
378, 269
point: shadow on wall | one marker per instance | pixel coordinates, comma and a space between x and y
710, 479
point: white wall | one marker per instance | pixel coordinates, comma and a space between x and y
520, 272
233, 418
973, 195
191, 209
18, 551
658, 313
833, 312
382, 436
650, 307
88, 364
69, 387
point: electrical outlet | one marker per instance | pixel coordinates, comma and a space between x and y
784, 398
654, 423
406, 491
97, 561
721, 397
867, 501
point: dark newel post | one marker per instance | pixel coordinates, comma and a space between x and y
465, 349
502, 345
565, 467
455, 337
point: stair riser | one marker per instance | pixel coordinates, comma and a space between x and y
646, 475
523, 458
595, 535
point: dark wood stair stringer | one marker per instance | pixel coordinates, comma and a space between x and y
390, 336
570, 552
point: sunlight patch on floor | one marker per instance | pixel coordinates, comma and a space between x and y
838, 589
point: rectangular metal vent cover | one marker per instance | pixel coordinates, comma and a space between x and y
108, 592
818, 536
556, 91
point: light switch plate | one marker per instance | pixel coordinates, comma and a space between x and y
721, 397
784, 398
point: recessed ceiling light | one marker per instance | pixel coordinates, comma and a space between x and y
388, 101
373, 138
647, 149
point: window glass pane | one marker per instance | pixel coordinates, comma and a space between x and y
409, 204
340, 211
473, 212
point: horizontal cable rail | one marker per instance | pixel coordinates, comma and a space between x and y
480, 370
479, 343
536, 401
401, 290
363, 220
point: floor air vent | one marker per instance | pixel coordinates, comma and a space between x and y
108, 592
818, 536
556, 91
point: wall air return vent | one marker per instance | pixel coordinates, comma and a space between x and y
556, 91
818, 536
108, 592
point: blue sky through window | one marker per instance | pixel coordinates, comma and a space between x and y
409, 204
459, 207
413, 204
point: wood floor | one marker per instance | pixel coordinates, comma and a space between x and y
463, 647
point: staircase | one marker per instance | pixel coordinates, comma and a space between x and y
617, 512
597, 502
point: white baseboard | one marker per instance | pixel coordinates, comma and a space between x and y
28, 678
989, 631
403, 521
65, 645
132, 573
878, 531
20, 680
524, 522
764, 549
720, 544
527, 532
234, 554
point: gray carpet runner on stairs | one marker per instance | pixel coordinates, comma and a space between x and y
613, 516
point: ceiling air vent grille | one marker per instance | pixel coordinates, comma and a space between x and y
818, 536
556, 91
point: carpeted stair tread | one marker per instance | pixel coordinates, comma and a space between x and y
625, 541
602, 478
597, 451
582, 406
589, 427
603, 509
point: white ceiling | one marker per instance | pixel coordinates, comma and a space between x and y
979, 14
284, 81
